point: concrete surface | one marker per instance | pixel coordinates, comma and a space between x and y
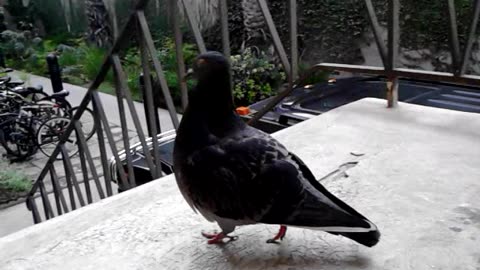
417, 178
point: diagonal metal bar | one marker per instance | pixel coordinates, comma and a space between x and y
83, 164
101, 114
88, 154
103, 152
123, 122
117, 65
393, 33
177, 33
223, 5
194, 26
275, 37
454, 43
57, 190
71, 194
47, 207
145, 30
151, 109
293, 38
73, 177
377, 32
471, 37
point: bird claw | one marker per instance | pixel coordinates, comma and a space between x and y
280, 235
273, 241
210, 235
217, 238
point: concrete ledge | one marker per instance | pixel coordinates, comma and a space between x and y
417, 178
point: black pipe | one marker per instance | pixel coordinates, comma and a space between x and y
55, 72
2, 60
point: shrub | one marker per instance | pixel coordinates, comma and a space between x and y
14, 181
255, 77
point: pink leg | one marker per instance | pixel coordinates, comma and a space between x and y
280, 235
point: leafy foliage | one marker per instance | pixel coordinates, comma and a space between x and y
14, 181
254, 77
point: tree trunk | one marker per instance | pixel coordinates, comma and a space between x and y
255, 27
99, 28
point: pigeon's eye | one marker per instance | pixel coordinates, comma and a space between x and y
201, 62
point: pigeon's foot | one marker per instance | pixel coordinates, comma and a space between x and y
217, 238
280, 235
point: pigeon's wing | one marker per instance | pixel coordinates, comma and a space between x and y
234, 178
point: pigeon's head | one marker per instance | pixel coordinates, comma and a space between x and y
211, 66
211, 71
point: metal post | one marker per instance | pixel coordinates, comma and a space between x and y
55, 72
293, 39
393, 47
392, 92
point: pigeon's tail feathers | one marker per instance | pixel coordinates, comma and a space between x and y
330, 214
368, 239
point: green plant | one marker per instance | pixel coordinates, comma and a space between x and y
14, 181
167, 56
255, 77
91, 60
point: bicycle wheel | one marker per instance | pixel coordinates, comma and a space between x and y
49, 134
17, 139
87, 120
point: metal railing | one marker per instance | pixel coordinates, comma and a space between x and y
81, 193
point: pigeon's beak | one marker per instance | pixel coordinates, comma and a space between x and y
188, 75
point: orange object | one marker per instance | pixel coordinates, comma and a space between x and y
243, 110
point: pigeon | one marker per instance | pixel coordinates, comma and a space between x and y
235, 175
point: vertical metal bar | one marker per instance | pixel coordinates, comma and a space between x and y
68, 179
294, 38
455, 44
471, 37
392, 92
103, 152
145, 30
275, 37
194, 26
177, 32
83, 164
57, 197
101, 114
88, 154
32, 205
393, 33
47, 207
69, 167
58, 192
377, 32
224, 25
117, 65
123, 122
